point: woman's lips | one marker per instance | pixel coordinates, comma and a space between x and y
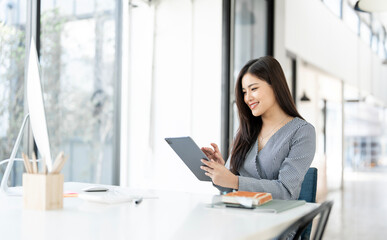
253, 105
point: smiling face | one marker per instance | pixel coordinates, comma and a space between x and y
258, 95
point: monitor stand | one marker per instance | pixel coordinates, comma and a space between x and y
4, 182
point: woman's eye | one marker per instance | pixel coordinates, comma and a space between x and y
254, 89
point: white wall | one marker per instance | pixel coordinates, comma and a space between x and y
186, 82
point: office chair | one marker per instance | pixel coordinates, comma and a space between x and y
308, 193
298, 227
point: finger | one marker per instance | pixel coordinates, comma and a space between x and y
207, 150
216, 148
208, 174
207, 169
213, 163
208, 163
204, 150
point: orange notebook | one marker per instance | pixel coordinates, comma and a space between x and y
258, 198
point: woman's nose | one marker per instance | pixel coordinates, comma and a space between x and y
247, 96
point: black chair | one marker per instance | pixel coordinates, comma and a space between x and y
308, 193
298, 227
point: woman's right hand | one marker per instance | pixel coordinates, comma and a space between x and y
213, 153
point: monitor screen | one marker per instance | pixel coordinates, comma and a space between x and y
36, 107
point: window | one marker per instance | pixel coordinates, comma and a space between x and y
80, 76
250, 32
375, 42
375, 26
382, 39
250, 40
385, 47
365, 33
12, 56
350, 17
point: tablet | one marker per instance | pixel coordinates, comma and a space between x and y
191, 155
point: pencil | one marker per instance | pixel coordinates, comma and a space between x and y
26, 163
34, 163
59, 167
57, 161
44, 166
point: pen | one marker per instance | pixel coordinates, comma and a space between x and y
138, 201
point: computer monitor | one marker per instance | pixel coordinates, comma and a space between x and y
36, 107
36, 116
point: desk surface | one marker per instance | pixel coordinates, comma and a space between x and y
171, 215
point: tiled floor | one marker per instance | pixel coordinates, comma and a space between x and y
360, 210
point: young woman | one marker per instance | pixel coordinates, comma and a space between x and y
274, 145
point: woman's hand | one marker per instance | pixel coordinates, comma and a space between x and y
213, 153
219, 174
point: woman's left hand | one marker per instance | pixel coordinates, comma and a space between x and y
219, 174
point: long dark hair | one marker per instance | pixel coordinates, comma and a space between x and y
268, 69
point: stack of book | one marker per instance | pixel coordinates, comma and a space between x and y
247, 198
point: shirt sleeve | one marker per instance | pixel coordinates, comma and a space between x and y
292, 170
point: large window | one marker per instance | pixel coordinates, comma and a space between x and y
251, 40
365, 142
12, 55
79, 43
382, 39
78, 56
365, 33
375, 27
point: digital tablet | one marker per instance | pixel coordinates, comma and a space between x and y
191, 155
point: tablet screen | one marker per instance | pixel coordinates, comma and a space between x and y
190, 153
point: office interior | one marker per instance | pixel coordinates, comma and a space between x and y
120, 76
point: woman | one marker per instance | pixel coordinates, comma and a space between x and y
274, 145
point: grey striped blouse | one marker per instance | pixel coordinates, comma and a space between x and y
279, 168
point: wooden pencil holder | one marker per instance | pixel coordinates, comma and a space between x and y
43, 191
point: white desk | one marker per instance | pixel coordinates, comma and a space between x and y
172, 215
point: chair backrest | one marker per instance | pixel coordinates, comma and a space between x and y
308, 193
309, 186
302, 223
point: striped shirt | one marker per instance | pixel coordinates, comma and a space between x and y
280, 166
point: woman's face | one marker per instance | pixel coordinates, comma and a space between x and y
258, 95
